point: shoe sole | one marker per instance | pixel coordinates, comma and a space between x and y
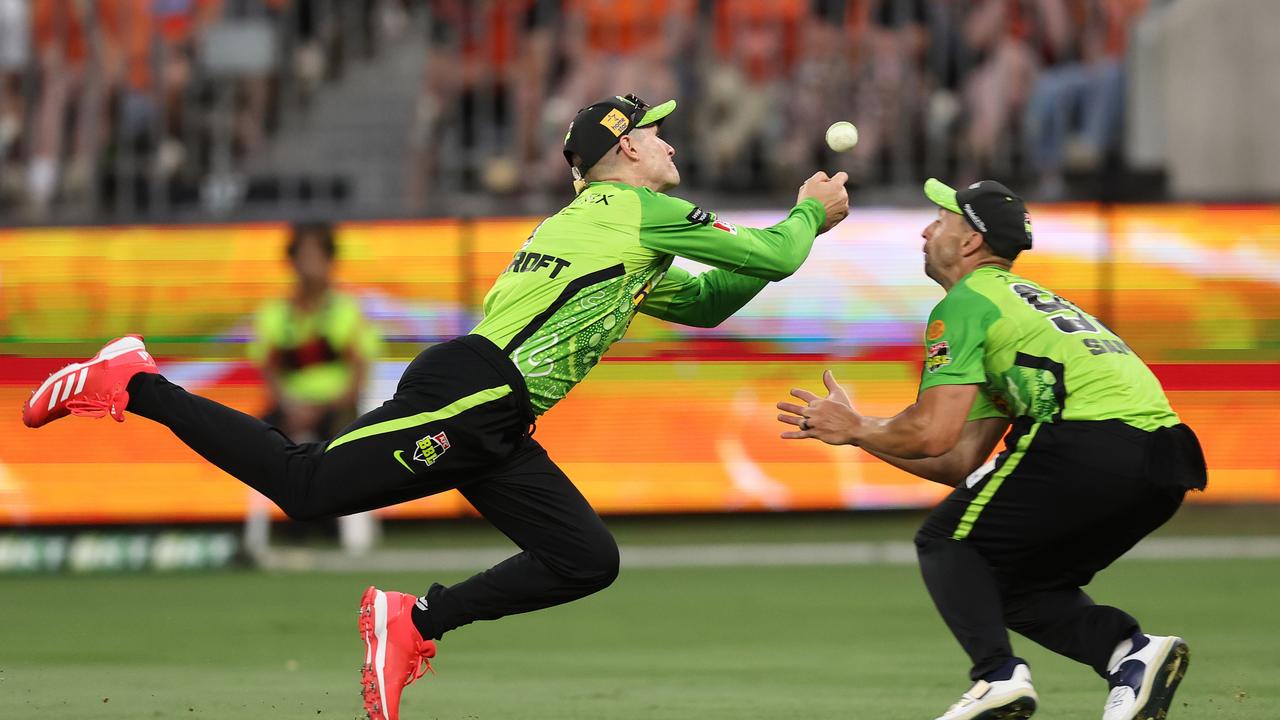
1171, 668
1020, 709
373, 631
127, 344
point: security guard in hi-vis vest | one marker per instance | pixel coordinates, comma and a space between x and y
1094, 460
462, 414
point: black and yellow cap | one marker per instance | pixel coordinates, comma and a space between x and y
597, 127
990, 208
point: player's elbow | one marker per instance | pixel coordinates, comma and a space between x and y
784, 270
710, 320
785, 261
302, 511
706, 311
781, 271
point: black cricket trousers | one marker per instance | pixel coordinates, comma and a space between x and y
1063, 501
460, 418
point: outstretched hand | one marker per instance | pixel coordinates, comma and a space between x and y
831, 419
829, 191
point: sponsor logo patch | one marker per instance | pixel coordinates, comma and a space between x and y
936, 328
725, 226
939, 356
977, 221
615, 122
526, 261
698, 216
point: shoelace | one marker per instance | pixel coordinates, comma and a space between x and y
97, 406
422, 664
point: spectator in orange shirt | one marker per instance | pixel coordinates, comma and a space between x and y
611, 44
159, 45
78, 58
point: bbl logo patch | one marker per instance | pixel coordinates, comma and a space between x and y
430, 448
725, 226
938, 356
936, 328
615, 122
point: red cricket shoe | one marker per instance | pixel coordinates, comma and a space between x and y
93, 388
395, 653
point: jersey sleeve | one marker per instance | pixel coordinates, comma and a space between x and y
703, 300
677, 227
955, 340
984, 408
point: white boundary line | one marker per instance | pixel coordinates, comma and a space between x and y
733, 555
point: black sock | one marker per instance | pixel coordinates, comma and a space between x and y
1005, 671
1139, 641
421, 615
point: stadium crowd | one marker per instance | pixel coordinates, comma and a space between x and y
1033, 88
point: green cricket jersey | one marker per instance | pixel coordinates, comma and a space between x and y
576, 283
1034, 354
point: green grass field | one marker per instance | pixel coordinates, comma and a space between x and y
706, 644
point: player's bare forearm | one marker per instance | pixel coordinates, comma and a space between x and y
903, 436
928, 428
950, 468
939, 469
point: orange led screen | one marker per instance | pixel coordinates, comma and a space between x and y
675, 419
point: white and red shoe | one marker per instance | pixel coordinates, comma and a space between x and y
395, 653
93, 388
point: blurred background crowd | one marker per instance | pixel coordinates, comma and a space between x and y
152, 109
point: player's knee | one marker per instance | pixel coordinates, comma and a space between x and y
304, 510
598, 568
300, 513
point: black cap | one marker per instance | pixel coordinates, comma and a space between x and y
597, 127
990, 208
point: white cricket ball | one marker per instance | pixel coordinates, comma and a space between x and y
842, 136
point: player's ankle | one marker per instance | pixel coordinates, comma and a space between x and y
423, 618
1005, 671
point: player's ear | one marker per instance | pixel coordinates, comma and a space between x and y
627, 146
972, 243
